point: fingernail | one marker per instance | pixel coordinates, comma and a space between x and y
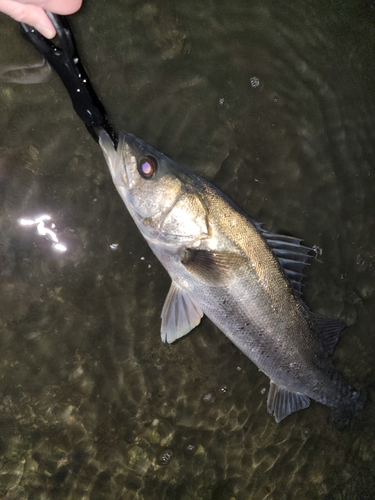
46, 31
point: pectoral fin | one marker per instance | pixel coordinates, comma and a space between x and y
179, 315
216, 268
282, 402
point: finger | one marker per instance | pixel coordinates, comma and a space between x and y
29, 14
63, 7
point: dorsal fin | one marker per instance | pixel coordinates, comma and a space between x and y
291, 255
328, 330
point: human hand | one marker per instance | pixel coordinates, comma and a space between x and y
32, 12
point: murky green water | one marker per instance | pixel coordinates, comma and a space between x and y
275, 104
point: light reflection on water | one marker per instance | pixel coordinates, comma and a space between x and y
44, 231
274, 105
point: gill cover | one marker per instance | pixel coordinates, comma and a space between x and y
157, 192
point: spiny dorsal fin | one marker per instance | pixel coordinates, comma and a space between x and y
179, 315
282, 402
291, 255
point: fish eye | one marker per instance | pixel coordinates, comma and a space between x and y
147, 167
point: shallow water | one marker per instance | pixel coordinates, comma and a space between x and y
273, 104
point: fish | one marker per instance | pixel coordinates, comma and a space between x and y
226, 266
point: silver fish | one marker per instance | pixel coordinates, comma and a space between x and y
224, 265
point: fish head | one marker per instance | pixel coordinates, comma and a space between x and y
158, 193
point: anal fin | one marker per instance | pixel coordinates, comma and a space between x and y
282, 402
179, 315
